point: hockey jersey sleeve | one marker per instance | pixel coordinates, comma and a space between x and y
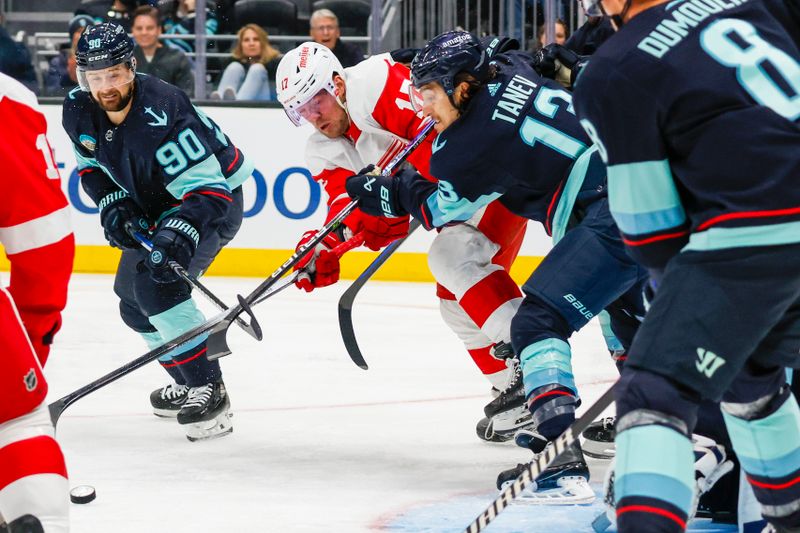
34, 220
643, 194
200, 164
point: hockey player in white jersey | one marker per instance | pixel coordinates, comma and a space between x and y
363, 116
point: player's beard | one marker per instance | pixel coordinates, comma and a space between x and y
116, 104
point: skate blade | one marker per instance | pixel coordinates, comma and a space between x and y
571, 490
165, 413
599, 450
217, 427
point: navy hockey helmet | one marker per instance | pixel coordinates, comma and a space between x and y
447, 55
101, 47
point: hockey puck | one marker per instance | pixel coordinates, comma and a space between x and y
82, 494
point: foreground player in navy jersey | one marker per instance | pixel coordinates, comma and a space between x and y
695, 107
153, 162
506, 133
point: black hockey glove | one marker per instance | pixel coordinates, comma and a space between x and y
116, 211
376, 194
550, 60
175, 240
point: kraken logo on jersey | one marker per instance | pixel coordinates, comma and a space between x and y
708, 362
159, 120
437, 145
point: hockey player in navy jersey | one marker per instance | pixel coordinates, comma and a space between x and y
154, 163
506, 133
695, 107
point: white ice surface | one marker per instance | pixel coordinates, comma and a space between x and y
318, 444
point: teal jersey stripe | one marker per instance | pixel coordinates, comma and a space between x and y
571, 189
90, 162
722, 238
446, 206
643, 197
657, 451
769, 446
658, 486
545, 362
245, 171
206, 173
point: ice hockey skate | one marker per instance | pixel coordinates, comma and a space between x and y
206, 413
506, 413
565, 482
168, 400
598, 438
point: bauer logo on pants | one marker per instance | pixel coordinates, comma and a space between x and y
708, 362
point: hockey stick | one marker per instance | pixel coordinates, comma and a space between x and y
58, 407
346, 301
217, 343
541, 462
253, 330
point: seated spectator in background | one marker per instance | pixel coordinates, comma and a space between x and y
119, 11
61, 75
562, 33
181, 22
325, 31
15, 60
252, 66
154, 58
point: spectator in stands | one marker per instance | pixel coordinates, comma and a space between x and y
181, 22
562, 33
118, 11
15, 60
61, 74
154, 58
325, 31
251, 70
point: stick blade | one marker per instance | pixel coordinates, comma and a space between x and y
349, 337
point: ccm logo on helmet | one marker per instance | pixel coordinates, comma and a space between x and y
97, 58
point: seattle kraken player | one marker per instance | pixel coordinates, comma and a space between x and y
153, 162
506, 133
695, 106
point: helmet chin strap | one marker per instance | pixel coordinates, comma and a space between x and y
619, 20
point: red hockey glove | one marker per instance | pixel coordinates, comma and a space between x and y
320, 268
379, 232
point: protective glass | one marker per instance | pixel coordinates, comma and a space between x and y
104, 79
312, 109
593, 8
415, 96
429, 95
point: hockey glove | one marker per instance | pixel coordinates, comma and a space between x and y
320, 267
116, 211
376, 193
379, 232
559, 63
175, 240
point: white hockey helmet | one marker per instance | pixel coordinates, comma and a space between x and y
302, 74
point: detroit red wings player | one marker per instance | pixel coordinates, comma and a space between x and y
36, 234
363, 115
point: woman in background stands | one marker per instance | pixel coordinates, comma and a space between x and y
252, 66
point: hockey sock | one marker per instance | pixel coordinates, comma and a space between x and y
654, 478
195, 368
493, 369
154, 340
31, 463
549, 385
766, 437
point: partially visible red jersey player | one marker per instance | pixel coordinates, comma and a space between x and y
38, 240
